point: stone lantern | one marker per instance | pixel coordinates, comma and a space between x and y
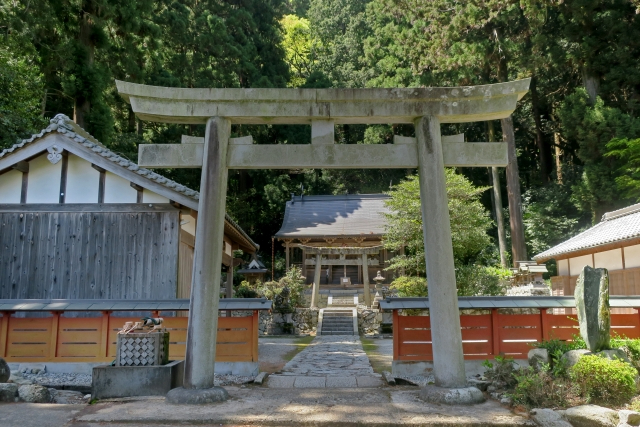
376, 300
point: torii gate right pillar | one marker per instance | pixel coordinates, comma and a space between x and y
448, 359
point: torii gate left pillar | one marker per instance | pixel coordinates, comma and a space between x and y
426, 108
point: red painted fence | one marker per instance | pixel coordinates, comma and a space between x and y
489, 335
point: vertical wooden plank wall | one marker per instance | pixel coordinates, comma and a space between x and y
89, 255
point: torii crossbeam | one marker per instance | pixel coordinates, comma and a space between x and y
426, 108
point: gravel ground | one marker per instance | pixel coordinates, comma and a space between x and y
271, 352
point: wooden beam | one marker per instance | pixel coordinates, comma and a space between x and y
21, 166
329, 156
86, 207
25, 187
312, 261
63, 176
139, 191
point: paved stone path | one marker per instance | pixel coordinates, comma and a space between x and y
332, 361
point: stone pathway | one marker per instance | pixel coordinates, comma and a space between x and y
331, 361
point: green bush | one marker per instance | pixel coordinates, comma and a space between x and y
603, 380
410, 286
540, 389
503, 370
245, 290
479, 280
287, 293
630, 346
557, 348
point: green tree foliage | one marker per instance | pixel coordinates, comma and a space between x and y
22, 91
469, 222
297, 45
592, 127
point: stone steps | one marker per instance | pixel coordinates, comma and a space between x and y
337, 322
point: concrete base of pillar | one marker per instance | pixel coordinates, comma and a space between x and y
194, 396
451, 396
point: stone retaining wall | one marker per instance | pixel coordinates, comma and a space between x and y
303, 321
369, 321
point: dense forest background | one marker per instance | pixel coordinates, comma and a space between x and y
577, 134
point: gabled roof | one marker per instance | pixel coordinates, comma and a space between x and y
616, 227
334, 216
81, 143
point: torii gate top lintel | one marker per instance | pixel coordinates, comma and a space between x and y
302, 106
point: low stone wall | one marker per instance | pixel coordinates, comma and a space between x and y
303, 321
369, 321
529, 290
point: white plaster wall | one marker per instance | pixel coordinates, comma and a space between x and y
44, 181
563, 267
632, 256
118, 190
577, 264
10, 187
83, 181
190, 226
149, 196
611, 260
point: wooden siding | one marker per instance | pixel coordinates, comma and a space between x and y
62, 339
185, 263
102, 254
621, 282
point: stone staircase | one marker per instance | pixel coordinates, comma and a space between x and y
337, 321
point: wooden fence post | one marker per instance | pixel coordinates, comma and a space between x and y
104, 347
396, 335
544, 323
53, 342
4, 332
495, 335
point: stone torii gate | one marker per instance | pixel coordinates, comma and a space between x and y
426, 108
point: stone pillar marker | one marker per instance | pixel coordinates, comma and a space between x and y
205, 285
365, 281
448, 358
592, 304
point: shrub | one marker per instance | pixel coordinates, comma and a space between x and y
557, 348
630, 346
479, 280
603, 380
539, 389
287, 293
245, 290
410, 286
502, 370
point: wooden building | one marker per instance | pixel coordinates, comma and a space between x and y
79, 221
343, 221
614, 244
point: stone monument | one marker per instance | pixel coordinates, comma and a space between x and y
592, 304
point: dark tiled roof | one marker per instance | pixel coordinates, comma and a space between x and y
64, 125
616, 226
490, 302
325, 216
125, 305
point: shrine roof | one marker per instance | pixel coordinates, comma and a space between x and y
335, 216
616, 228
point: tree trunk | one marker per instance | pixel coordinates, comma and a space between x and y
591, 84
543, 148
82, 104
556, 140
518, 247
496, 197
